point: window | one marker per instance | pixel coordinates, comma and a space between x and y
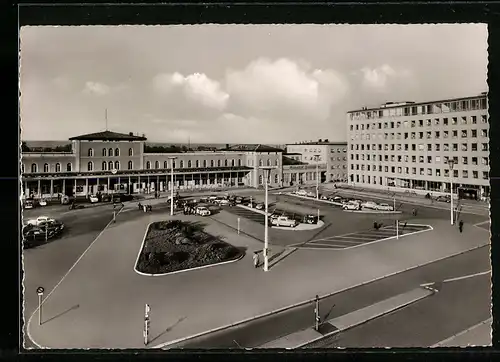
34, 168
104, 165
473, 147
204, 163
455, 147
225, 163
130, 165
420, 135
455, 134
464, 147
197, 163
464, 161
219, 163
438, 159
276, 178
189, 164
422, 171
412, 124
445, 134
91, 152
104, 152
485, 175
437, 147
473, 133
446, 159
58, 167
421, 147
173, 163
110, 165
484, 119
429, 147
484, 147
445, 121
182, 164
211, 163
438, 172
148, 165
157, 165
261, 163
414, 170
465, 174
484, 161
454, 121
117, 165
429, 172
436, 134
474, 161
428, 123
474, 119
260, 179
474, 174
429, 159
110, 152
68, 167
46, 167
436, 121
131, 152
446, 172
463, 120
446, 147
90, 166
165, 164
484, 133
420, 122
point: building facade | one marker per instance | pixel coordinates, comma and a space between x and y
110, 162
409, 145
333, 155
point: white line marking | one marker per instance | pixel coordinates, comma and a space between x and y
333, 245
439, 344
64, 277
459, 278
344, 241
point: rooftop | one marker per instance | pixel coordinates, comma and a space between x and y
109, 136
253, 148
318, 142
414, 104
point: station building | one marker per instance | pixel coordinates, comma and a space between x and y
331, 156
409, 145
109, 162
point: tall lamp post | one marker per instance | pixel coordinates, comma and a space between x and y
451, 163
316, 158
172, 158
267, 171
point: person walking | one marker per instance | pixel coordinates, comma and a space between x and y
461, 226
256, 260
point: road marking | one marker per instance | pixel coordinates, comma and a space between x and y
64, 277
458, 278
333, 246
439, 344
342, 241
481, 223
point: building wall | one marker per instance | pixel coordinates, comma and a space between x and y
302, 174
417, 146
98, 157
51, 159
238, 158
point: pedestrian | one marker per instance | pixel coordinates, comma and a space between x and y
256, 259
375, 225
461, 225
139, 205
144, 208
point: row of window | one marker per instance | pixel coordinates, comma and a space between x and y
338, 166
421, 159
46, 167
261, 179
197, 164
421, 135
439, 107
420, 123
430, 172
421, 147
317, 150
109, 152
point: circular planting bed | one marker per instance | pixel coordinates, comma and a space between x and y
175, 245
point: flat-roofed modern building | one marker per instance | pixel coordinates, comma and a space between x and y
331, 154
408, 145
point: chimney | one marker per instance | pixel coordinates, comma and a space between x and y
227, 146
131, 133
320, 140
326, 140
143, 135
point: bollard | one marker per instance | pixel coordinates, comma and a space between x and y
114, 216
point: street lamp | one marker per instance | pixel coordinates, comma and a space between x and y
267, 170
451, 163
172, 158
316, 158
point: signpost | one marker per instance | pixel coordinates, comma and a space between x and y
114, 216
238, 226
146, 324
316, 314
40, 291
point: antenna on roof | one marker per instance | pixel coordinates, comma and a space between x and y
106, 117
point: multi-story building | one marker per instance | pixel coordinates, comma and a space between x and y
333, 155
410, 145
109, 161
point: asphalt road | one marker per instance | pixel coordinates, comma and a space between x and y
261, 331
456, 307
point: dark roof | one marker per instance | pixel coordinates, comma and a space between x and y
108, 136
253, 148
291, 153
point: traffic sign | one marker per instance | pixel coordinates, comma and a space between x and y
40, 290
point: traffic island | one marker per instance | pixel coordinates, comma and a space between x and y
367, 211
175, 246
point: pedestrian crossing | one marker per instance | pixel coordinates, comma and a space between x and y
351, 240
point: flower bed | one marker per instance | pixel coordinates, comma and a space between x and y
177, 245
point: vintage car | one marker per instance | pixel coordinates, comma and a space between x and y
202, 211
385, 207
29, 204
369, 205
444, 198
351, 206
93, 199
260, 206
39, 220
284, 221
302, 193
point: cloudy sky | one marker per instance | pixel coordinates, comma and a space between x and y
237, 83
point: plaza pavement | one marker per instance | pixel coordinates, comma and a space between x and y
100, 303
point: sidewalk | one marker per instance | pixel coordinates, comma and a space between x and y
105, 288
478, 335
350, 320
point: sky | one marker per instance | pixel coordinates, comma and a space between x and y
237, 83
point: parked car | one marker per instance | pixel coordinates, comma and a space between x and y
310, 219
369, 205
29, 204
385, 207
224, 202
39, 220
93, 199
351, 206
203, 211
259, 206
284, 221
238, 200
42, 202
443, 198
324, 197
302, 193
311, 194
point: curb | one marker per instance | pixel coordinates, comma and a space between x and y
440, 344
364, 321
227, 326
373, 212
177, 271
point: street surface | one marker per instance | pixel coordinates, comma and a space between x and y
261, 331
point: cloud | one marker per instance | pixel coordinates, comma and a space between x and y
96, 88
379, 78
284, 88
196, 87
